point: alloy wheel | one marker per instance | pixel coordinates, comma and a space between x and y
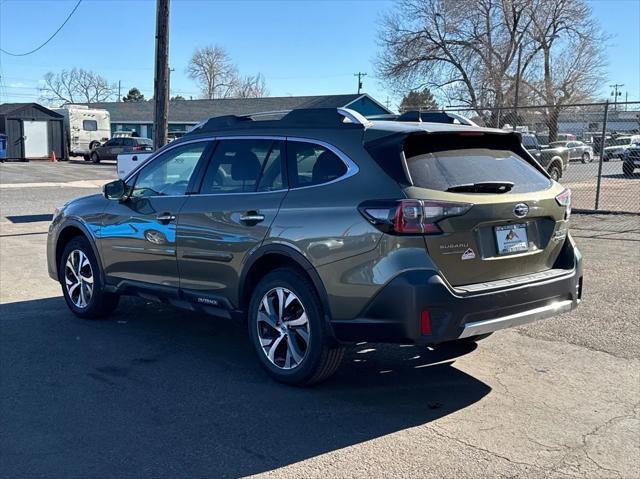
283, 328
78, 278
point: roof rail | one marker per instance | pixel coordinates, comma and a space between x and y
301, 117
428, 117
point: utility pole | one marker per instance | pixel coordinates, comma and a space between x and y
517, 93
161, 81
615, 94
119, 93
360, 75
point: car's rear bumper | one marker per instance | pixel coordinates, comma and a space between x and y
394, 314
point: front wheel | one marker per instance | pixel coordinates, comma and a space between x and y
554, 173
81, 284
287, 329
586, 158
94, 157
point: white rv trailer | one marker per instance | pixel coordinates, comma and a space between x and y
85, 128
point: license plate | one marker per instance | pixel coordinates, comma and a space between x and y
512, 239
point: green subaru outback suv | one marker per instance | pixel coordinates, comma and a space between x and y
320, 228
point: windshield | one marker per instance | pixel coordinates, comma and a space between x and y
443, 170
558, 143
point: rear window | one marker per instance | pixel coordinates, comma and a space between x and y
144, 141
441, 170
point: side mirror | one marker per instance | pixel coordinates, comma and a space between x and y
115, 190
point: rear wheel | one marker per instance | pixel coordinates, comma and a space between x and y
81, 284
287, 330
94, 157
554, 172
627, 169
586, 158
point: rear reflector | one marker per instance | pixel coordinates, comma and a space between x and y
425, 323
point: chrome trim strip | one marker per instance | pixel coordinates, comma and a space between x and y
490, 325
352, 167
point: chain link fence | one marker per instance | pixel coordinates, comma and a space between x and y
593, 148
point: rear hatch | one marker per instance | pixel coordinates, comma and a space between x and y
489, 211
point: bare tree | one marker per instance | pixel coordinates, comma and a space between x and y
467, 50
251, 86
571, 54
212, 69
76, 86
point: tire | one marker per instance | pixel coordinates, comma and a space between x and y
84, 300
94, 157
627, 169
586, 158
554, 172
293, 359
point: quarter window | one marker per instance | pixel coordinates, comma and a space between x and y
244, 166
169, 174
312, 164
89, 125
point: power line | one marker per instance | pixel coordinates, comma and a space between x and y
48, 39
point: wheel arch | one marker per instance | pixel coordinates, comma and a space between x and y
557, 162
70, 230
273, 256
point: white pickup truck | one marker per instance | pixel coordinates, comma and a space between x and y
126, 162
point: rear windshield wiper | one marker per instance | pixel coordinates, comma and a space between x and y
483, 187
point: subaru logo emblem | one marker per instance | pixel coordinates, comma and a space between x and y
521, 210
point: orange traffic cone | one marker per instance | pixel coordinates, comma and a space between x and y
53, 158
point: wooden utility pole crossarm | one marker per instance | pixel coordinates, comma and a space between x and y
161, 81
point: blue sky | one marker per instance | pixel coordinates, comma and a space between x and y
301, 47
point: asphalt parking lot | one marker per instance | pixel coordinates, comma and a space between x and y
157, 392
618, 192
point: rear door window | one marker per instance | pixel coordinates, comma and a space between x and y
244, 166
441, 170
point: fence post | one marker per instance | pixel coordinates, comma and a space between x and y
602, 144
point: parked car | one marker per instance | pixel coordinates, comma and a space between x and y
115, 146
631, 158
554, 159
323, 228
618, 148
577, 150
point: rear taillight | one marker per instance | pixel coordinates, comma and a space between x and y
410, 216
564, 199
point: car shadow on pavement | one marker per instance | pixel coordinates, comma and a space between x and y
157, 392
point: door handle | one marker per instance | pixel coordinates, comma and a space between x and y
165, 217
252, 217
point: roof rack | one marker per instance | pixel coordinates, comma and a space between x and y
427, 116
301, 117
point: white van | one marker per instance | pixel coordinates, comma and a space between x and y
85, 128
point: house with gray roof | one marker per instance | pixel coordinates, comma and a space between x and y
183, 114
